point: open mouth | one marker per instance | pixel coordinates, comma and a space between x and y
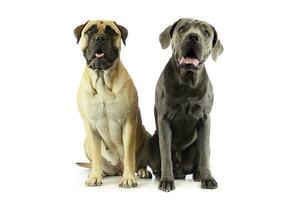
99, 53
189, 59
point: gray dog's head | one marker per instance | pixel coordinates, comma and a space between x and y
192, 42
100, 41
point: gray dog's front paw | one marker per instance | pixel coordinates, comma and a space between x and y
166, 186
209, 183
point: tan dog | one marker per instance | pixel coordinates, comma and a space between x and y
108, 104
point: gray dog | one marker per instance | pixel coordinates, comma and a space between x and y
183, 101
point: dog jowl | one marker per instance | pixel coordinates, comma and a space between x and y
183, 101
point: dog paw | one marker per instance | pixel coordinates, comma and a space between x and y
93, 180
166, 186
144, 173
128, 183
209, 183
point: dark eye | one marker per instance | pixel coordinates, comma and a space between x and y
109, 31
90, 31
206, 33
182, 29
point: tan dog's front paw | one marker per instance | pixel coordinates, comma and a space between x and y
128, 183
94, 180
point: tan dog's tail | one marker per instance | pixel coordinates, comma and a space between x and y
85, 165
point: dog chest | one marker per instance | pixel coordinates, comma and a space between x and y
186, 108
187, 116
107, 116
183, 119
100, 107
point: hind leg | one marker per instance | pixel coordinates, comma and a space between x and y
152, 155
144, 173
178, 174
191, 163
108, 169
141, 160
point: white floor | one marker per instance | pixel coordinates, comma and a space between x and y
113, 181
146, 189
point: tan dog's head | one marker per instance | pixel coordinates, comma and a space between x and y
192, 42
100, 42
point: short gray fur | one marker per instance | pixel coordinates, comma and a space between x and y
183, 101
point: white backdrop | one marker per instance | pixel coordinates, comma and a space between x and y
255, 118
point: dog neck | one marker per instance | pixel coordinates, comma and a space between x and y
189, 78
110, 80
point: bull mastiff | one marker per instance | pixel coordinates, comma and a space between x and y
183, 101
108, 104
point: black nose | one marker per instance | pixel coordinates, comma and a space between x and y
193, 37
98, 37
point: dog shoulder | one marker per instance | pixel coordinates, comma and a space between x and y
126, 85
130, 94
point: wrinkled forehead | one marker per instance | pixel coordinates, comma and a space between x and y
100, 24
193, 23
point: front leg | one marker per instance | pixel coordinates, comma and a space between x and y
202, 172
94, 152
165, 135
129, 140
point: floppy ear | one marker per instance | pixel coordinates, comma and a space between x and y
217, 46
124, 32
78, 30
166, 35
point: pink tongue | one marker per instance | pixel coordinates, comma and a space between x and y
99, 55
187, 60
